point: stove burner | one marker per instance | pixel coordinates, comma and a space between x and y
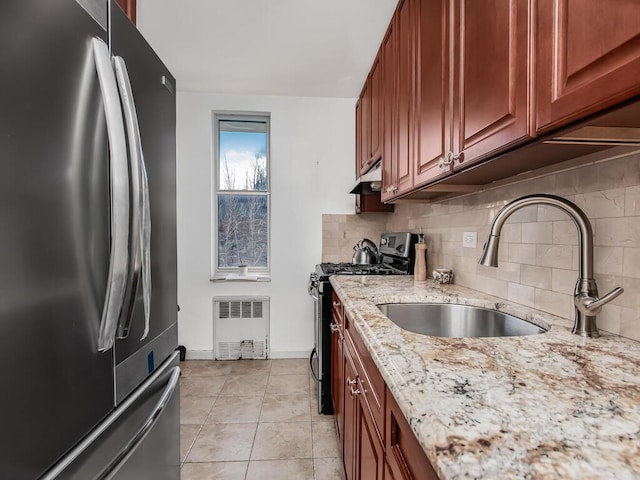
354, 269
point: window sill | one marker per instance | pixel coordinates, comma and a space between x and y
234, 277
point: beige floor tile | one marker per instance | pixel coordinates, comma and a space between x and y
285, 408
214, 471
325, 441
287, 384
289, 366
204, 368
224, 442
282, 440
328, 469
234, 409
201, 386
280, 470
250, 367
244, 385
194, 410
188, 434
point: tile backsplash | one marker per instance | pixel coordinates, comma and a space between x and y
538, 253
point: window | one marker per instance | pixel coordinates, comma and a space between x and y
241, 192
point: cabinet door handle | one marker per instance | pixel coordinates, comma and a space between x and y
334, 328
446, 161
351, 382
355, 392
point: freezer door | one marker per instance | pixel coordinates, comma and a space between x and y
153, 95
54, 234
138, 441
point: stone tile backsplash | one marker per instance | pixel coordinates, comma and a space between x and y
538, 251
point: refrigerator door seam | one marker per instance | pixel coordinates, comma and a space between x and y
119, 180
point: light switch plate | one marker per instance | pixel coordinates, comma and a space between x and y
470, 239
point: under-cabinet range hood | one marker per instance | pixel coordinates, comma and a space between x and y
370, 182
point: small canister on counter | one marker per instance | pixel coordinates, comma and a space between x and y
442, 276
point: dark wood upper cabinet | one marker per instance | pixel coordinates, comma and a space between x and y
365, 128
375, 135
404, 131
588, 58
129, 7
493, 106
432, 98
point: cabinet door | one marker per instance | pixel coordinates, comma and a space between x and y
588, 58
365, 128
370, 451
375, 90
350, 436
389, 111
405, 132
493, 108
358, 136
433, 121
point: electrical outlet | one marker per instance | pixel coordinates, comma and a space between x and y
470, 239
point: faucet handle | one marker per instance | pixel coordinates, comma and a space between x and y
592, 306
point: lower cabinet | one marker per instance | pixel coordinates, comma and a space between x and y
376, 440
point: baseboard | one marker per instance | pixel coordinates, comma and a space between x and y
199, 354
208, 354
290, 354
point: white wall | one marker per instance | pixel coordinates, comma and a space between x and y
312, 152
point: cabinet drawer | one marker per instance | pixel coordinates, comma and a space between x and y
405, 455
337, 311
373, 385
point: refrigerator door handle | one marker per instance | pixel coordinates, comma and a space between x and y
119, 187
140, 183
119, 459
123, 455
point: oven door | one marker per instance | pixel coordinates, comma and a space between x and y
320, 358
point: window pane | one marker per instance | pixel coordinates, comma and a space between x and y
242, 230
243, 155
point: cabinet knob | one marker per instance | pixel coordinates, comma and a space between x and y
334, 328
459, 157
355, 391
351, 382
336, 304
446, 161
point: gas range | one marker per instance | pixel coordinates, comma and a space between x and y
353, 269
397, 253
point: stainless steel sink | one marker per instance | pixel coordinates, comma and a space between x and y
449, 320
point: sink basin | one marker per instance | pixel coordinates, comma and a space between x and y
450, 320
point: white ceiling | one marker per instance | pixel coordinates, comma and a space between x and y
314, 48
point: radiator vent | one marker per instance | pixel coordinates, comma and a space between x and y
240, 328
241, 309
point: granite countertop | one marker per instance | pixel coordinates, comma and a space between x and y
553, 405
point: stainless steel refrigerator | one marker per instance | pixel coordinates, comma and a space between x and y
88, 297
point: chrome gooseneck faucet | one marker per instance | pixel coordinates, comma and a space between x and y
585, 298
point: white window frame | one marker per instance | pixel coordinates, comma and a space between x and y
221, 272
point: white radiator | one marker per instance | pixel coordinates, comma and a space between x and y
241, 328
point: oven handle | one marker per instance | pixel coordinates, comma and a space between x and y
315, 377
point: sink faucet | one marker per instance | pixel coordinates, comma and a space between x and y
585, 298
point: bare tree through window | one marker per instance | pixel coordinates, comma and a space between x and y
242, 194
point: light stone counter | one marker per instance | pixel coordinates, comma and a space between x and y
553, 405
